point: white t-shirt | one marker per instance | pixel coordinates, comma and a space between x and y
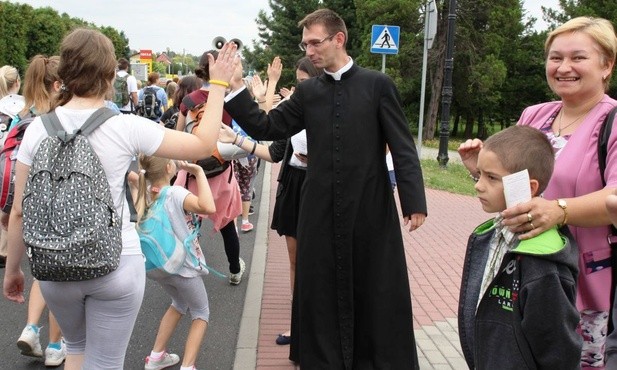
131, 83
116, 142
174, 206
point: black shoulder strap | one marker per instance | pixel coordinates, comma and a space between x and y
603, 137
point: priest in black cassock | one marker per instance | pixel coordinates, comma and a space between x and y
352, 303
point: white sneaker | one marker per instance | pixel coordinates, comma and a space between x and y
55, 357
29, 343
167, 360
235, 279
246, 227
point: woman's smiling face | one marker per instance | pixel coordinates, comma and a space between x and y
575, 67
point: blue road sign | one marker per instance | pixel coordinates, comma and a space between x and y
384, 39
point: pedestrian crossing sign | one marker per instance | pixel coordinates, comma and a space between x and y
384, 39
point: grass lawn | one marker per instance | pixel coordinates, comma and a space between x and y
454, 178
453, 143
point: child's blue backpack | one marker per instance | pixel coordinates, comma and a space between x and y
165, 253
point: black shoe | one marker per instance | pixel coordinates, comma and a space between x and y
283, 340
2, 262
251, 210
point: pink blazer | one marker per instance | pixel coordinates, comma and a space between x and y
577, 173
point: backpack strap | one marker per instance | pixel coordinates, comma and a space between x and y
603, 137
54, 127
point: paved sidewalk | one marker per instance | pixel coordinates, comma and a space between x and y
435, 256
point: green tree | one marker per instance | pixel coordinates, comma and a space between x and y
498, 66
14, 39
45, 32
405, 68
120, 41
279, 35
347, 10
577, 8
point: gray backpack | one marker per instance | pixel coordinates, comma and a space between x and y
71, 228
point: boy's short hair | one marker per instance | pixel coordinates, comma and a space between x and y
153, 77
524, 147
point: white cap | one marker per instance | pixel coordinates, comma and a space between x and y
12, 104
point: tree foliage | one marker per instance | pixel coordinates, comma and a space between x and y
28, 31
498, 55
279, 35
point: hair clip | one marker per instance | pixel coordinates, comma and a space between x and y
63, 87
142, 171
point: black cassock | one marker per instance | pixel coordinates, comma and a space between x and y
352, 304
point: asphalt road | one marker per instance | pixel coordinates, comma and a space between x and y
226, 305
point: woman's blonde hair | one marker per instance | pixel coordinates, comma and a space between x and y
599, 29
38, 87
87, 65
8, 78
151, 170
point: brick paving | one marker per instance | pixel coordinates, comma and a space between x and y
435, 256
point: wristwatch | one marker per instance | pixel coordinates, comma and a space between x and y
564, 206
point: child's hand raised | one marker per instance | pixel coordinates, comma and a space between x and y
191, 168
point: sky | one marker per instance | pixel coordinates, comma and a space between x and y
188, 25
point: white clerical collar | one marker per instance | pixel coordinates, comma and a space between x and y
338, 74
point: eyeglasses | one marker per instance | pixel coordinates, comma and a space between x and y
314, 44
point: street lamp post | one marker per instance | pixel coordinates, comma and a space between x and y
446, 94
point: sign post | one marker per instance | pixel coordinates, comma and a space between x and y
430, 29
384, 40
145, 57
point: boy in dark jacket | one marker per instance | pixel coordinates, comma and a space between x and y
517, 305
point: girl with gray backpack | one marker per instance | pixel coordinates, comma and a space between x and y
96, 304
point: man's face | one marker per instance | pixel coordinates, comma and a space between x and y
321, 47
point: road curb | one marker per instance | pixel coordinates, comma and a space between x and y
246, 347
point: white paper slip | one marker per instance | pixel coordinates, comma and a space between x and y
516, 188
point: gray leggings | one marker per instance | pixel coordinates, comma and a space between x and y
97, 316
187, 294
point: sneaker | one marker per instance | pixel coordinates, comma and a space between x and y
251, 209
235, 279
166, 360
55, 357
246, 227
29, 342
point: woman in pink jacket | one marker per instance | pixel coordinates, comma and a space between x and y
580, 56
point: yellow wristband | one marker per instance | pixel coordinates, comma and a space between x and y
219, 82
